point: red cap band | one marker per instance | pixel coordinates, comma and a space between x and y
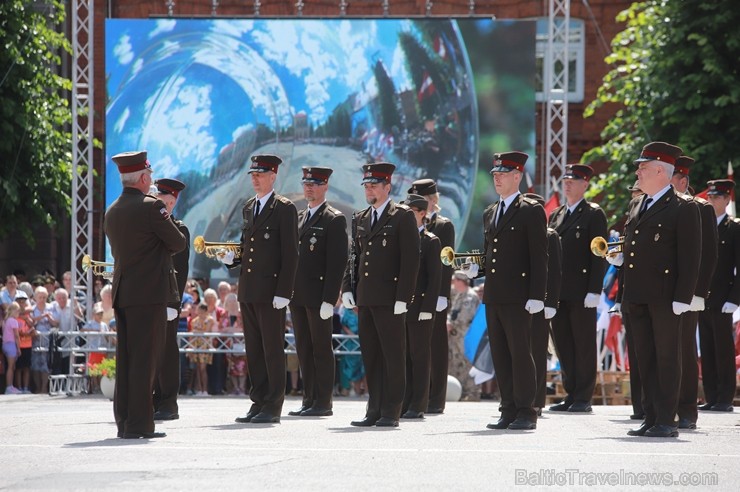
134, 167
168, 189
659, 156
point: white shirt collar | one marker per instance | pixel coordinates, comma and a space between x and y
511, 198
382, 206
313, 210
263, 200
657, 196
721, 218
575, 205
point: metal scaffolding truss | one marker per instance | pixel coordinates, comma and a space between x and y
82, 146
556, 78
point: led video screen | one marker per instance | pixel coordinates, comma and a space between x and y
436, 97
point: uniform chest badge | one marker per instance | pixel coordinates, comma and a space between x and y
384, 242
578, 234
267, 235
312, 241
657, 236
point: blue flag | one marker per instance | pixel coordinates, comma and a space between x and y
476, 331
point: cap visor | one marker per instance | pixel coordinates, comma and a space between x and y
501, 169
373, 180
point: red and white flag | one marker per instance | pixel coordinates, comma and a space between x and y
530, 184
427, 87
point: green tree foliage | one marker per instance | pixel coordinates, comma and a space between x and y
675, 76
35, 169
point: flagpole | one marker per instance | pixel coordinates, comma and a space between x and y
731, 206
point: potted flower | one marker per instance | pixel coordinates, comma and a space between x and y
104, 372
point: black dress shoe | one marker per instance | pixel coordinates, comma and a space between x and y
580, 407
637, 416
386, 422
722, 407
247, 418
317, 412
162, 415
411, 414
366, 422
435, 410
640, 431
706, 406
500, 425
662, 430
522, 424
684, 423
142, 435
297, 413
265, 418
561, 407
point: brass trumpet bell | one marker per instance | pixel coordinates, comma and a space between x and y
457, 260
600, 247
214, 249
98, 267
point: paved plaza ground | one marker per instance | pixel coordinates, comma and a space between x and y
68, 443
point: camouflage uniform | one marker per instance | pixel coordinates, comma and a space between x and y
461, 313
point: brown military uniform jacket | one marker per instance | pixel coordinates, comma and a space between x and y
554, 272
725, 285
142, 240
387, 255
322, 244
583, 272
662, 250
427, 280
269, 257
516, 253
708, 260
445, 231
181, 260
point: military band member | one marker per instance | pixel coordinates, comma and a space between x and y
661, 257
322, 258
515, 233
541, 321
715, 322
142, 239
167, 384
420, 317
578, 221
443, 228
687, 411
386, 246
268, 262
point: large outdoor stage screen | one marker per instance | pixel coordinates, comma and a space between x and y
436, 97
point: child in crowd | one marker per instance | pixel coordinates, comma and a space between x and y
11, 345
202, 324
26, 333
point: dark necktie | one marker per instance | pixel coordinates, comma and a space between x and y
307, 218
644, 207
567, 214
375, 219
501, 212
256, 209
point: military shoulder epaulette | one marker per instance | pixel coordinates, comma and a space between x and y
333, 210
686, 198
593, 205
283, 199
735, 220
430, 234
442, 218
699, 199
403, 206
489, 208
530, 201
550, 229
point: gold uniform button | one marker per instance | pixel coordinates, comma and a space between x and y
495, 240
633, 242
250, 260
366, 263
667, 271
584, 270
251, 239
369, 243
637, 231
494, 250
395, 279
524, 274
251, 250
493, 260
493, 270
632, 266
249, 270
299, 243
321, 278
632, 254
366, 274
274, 275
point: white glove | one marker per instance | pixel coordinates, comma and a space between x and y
227, 258
171, 314
697, 304
591, 300
680, 307
425, 316
616, 260
729, 308
470, 270
348, 300
326, 311
399, 307
616, 308
534, 306
550, 312
441, 304
280, 302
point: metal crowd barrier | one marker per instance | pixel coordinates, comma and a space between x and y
78, 344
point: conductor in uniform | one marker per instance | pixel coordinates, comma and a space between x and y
420, 317
167, 384
687, 410
269, 260
322, 258
660, 263
578, 221
143, 239
715, 322
515, 246
386, 261
443, 228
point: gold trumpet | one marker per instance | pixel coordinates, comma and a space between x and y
98, 267
458, 260
600, 247
215, 250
